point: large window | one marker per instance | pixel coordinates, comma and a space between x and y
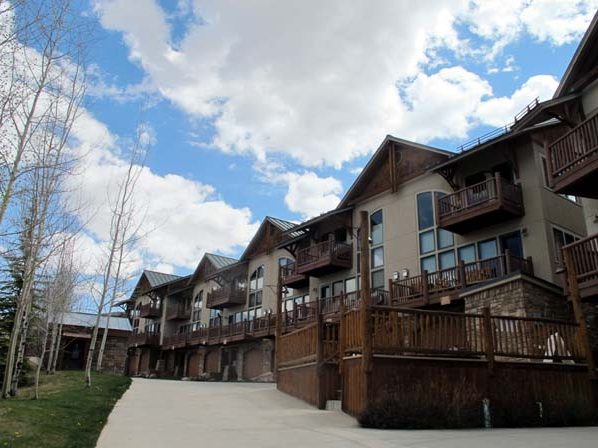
377, 249
284, 262
256, 287
197, 307
436, 246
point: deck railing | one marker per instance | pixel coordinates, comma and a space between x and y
226, 295
574, 149
326, 250
495, 189
288, 273
151, 309
583, 256
145, 338
436, 283
178, 311
299, 346
175, 340
407, 331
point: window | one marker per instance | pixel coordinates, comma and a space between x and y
256, 286
436, 246
487, 249
350, 285
377, 249
467, 253
285, 262
324, 291
197, 307
561, 238
337, 288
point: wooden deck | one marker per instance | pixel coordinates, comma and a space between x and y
573, 160
583, 256
150, 310
144, 340
324, 258
178, 311
480, 205
289, 277
226, 296
260, 327
428, 288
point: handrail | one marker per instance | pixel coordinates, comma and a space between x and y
478, 194
583, 257
572, 148
328, 248
465, 274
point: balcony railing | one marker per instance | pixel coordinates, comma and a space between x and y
175, 341
581, 257
215, 334
150, 310
421, 289
144, 339
291, 278
479, 205
226, 297
573, 160
324, 257
177, 311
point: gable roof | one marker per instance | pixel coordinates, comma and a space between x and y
583, 63
158, 278
280, 224
217, 263
377, 158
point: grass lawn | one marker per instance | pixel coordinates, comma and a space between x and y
66, 415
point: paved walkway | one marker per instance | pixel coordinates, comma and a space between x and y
161, 413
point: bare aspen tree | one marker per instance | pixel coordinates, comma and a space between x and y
42, 130
122, 220
57, 298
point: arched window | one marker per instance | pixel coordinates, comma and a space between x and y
256, 286
287, 264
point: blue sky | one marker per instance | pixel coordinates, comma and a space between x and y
257, 109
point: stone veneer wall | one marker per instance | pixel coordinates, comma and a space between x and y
519, 296
115, 354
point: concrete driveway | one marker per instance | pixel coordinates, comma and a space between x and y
160, 413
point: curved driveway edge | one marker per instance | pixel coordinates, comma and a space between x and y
161, 413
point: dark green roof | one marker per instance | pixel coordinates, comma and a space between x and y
220, 261
158, 278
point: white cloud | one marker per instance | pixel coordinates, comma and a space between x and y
319, 82
181, 218
310, 195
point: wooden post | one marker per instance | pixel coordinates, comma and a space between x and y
341, 329
498, 185
508, 266
391, 296
461, 273
488, 338
580, 317
278, 325
425, 291
366, 353
320, 398
530, 266
548, 165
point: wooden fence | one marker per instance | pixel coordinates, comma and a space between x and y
406, 331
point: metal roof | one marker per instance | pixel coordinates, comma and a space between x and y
300, 228
88, 320
220, 261
158, 278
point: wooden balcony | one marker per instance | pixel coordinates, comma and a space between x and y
581, 258
177, 311
175, 341
480, 205
427, 288
324, 258
290, 278
226, 297
573, 161
259, 327
144, 339
150, 310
